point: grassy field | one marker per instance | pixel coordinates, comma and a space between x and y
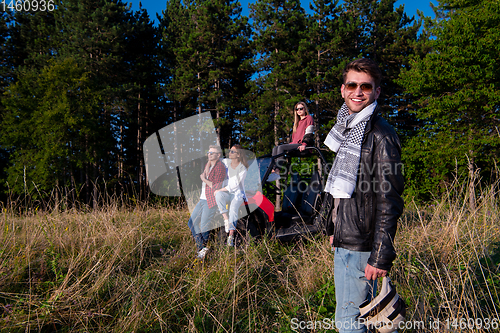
132, 269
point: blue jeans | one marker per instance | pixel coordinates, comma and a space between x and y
351, 288
236, 200
199, 222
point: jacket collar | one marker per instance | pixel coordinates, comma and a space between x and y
373, 118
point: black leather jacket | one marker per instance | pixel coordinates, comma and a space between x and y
368, 220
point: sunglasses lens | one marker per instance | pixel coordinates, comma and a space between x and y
351, 86
365, 87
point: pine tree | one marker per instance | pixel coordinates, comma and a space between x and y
115, 48
453, 87
6, 77
331, 36
34, 38
49, 117
391, 42
6, 49
140, 91
279, 28
208, 43
388, 36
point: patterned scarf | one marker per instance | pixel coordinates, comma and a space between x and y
345, 139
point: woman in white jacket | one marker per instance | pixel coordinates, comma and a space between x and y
234, 191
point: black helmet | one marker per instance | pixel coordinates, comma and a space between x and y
386, 311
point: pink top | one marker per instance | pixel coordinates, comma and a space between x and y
305, 125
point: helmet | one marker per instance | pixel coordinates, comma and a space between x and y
386, 311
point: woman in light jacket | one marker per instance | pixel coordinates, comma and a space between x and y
234, 192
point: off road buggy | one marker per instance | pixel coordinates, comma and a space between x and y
301, 194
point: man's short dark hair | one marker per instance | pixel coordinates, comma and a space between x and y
364, 65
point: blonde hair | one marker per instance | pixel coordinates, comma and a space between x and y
216, 147
296, 116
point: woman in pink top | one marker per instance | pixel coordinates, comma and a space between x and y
303, 124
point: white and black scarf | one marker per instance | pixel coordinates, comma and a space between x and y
345, 139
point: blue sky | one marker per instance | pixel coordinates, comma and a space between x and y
411, 6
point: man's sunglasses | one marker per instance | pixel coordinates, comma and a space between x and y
211, 153
365, 87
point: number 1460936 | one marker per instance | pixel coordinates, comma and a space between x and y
27, 5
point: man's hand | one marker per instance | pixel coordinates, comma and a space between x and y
204, 179
372, 273
301, 148
223, 189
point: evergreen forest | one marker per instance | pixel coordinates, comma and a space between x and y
83, 85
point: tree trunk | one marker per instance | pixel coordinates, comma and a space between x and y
139, 150
217, 116
276, 142
316, 115
120, 155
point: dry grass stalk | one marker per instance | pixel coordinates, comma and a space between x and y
132, 269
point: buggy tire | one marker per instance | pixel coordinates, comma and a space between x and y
252, 225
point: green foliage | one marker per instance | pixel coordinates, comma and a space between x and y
279, 27
6, 77
49, 121
325, 51
326, 297
115, 49
489, 278
206, 44
301, 57
6, 62
452, 87
206, 56
33, 39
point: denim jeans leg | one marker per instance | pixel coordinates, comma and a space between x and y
236, 201
222, 198
194, 224
351, 288
206, 221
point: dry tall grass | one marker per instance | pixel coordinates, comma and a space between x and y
119, 269
449, 263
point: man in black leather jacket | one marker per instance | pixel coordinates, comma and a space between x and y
366, 182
